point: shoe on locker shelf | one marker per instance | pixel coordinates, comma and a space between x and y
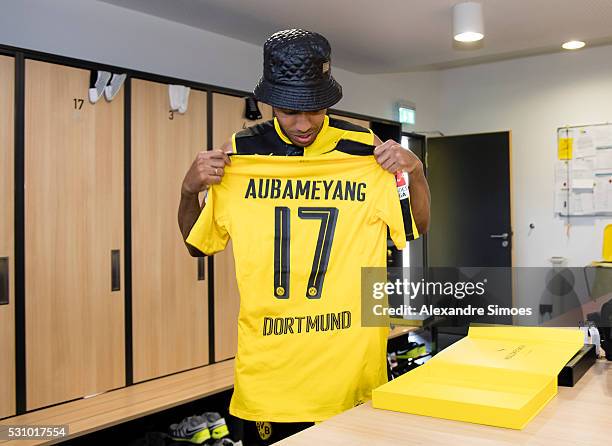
97, 83
227, 442
192, 429
216, 425
111, 90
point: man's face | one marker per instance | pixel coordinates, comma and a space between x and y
300, 127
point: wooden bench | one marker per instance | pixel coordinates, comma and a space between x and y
118, 406
401, 330
121, 405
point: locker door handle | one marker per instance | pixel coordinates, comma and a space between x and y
503, 236
4, 280
201, 268
115, 270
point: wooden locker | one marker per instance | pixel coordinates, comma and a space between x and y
169, 302
355, 121
7, 256
75, 337
228, 117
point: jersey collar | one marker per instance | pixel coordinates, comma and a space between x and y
320, 135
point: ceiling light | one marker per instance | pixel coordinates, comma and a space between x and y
573, 45
468, 25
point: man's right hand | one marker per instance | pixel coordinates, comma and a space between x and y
207, 168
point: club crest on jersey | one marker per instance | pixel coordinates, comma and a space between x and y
264, 429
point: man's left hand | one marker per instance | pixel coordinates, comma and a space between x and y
394, 158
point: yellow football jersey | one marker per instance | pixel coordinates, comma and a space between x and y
302, 228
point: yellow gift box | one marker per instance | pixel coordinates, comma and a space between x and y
499, 376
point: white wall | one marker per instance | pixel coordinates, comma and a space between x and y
100, 32
378, 94
532, 97
97, 31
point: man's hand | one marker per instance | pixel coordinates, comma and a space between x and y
207, 168
394, 158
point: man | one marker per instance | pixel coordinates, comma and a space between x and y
297, 83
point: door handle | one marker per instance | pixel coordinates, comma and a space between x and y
115, 270
201, 268
503, 236
4, 280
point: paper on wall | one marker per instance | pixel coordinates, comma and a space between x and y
602, 195
584, 145
603, 159
565, 148
561, 174
581, 202
602, 135
586, 164
587, 183
561, 197
582, 169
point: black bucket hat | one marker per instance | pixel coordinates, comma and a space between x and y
297, 72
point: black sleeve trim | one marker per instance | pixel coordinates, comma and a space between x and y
354, 148
407, 217
345, 125
260, 139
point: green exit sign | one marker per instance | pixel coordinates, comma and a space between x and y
406, 115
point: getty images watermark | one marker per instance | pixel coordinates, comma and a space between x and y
458, 290
461, 296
